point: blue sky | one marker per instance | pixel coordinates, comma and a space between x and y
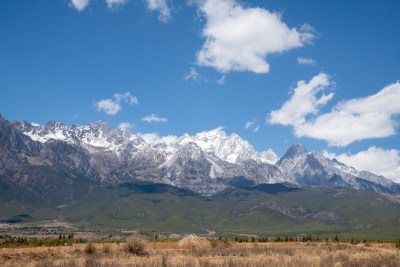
175, 67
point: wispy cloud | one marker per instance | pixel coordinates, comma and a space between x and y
239, 38
154, 138
222, 80
113, 3
348, 121
192, 75
161, 7
305, 61
249, 123
252, 124
154, 118
82, 4
112, 106
376, 160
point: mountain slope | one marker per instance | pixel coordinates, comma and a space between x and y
38, 158
268, 209
205, 163
312, 168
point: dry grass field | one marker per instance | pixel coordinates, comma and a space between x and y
205, 254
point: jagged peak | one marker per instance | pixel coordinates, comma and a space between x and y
295, 150
54, 123
212, 133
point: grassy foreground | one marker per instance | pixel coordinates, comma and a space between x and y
205, 253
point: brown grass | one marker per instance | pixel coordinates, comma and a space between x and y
215, 254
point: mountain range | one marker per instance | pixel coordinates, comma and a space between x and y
206, 163
93, 175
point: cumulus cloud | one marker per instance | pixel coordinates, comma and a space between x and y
154, 118
125, 125
305, 61
80, 4
192, 75
255, 130
112, 106
305, 99
154, 138
161, 7
347, 122
357, 119
239, 38
376, 160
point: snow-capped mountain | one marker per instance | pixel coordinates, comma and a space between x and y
206, 163
312, 168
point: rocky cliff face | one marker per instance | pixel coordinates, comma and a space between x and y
312, 168
39, 158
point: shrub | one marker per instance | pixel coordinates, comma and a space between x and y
90, 248
136, 245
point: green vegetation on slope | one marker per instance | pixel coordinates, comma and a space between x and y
262, 210
265, 210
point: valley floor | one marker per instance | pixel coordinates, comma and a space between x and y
205, 254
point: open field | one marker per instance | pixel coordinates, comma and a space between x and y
206, 254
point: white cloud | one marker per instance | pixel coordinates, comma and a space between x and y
80, 4
154, 138
154, 118
109, 106
113, 106
160, 6
192, 75
113, 3
250, 123
376, 160
127, 97
303, 101
348, 121
357, 119
305, 61
222, 80
125, 125
239, 38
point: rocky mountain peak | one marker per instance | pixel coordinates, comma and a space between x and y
295, 151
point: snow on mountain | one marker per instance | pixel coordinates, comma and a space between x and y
230, 148
94, 136
312, 168
206, 162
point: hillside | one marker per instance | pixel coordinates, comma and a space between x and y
263, 210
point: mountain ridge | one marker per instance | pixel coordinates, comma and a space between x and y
205, 163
